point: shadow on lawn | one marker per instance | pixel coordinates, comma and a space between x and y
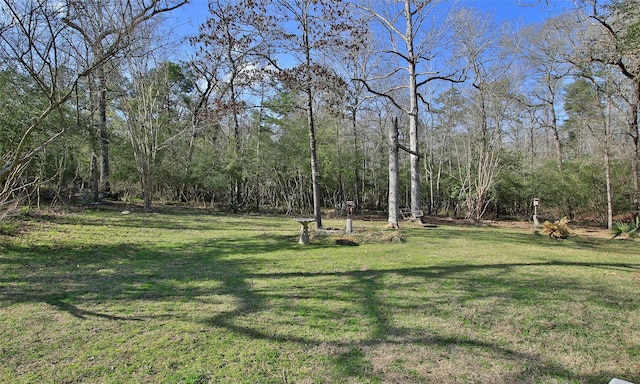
371, 299
168, 219
63, 276
368, 288
479, 235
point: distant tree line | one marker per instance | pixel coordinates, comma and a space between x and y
286, 106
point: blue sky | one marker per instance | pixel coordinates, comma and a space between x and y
520, 12
190, 16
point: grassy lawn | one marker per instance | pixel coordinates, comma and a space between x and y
191, 297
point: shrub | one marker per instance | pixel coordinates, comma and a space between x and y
9, 228
628, 230
559, 229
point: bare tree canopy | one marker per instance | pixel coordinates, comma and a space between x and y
289, 106
57, 44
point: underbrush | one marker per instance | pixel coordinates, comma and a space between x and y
626, 230
9, 227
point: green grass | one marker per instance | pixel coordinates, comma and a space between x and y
191, 297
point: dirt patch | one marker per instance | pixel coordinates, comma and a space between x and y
579, 229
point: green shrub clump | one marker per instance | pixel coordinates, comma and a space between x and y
628, 230
9, 228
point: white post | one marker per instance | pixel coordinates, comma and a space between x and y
350, 207
536, 202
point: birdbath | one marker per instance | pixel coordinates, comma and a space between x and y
304, 231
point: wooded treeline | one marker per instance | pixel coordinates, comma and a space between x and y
286, 106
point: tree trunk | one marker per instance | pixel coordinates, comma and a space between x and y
96, 179
607, 166
635, 135
356, 176
103, 134
607, 163
315, 175
413, 113
394, 185
556, 136
147, 184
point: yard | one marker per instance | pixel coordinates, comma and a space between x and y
187, 296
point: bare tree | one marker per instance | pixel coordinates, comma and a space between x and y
394, 182
545, 48
590, 104
32, 40
42, 39
614, 39
230, 58
488, 64
354, 65
150, 123
414, 46
447, 112
100, 24
303, 30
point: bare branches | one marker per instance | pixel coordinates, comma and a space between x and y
387, 94
405, 21
616, 44
416, 56
41, 38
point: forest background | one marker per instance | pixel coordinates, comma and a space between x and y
291, 106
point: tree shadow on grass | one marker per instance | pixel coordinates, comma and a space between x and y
364, 307
83, 314
377, 314
61, 276
169, 219
490, 234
